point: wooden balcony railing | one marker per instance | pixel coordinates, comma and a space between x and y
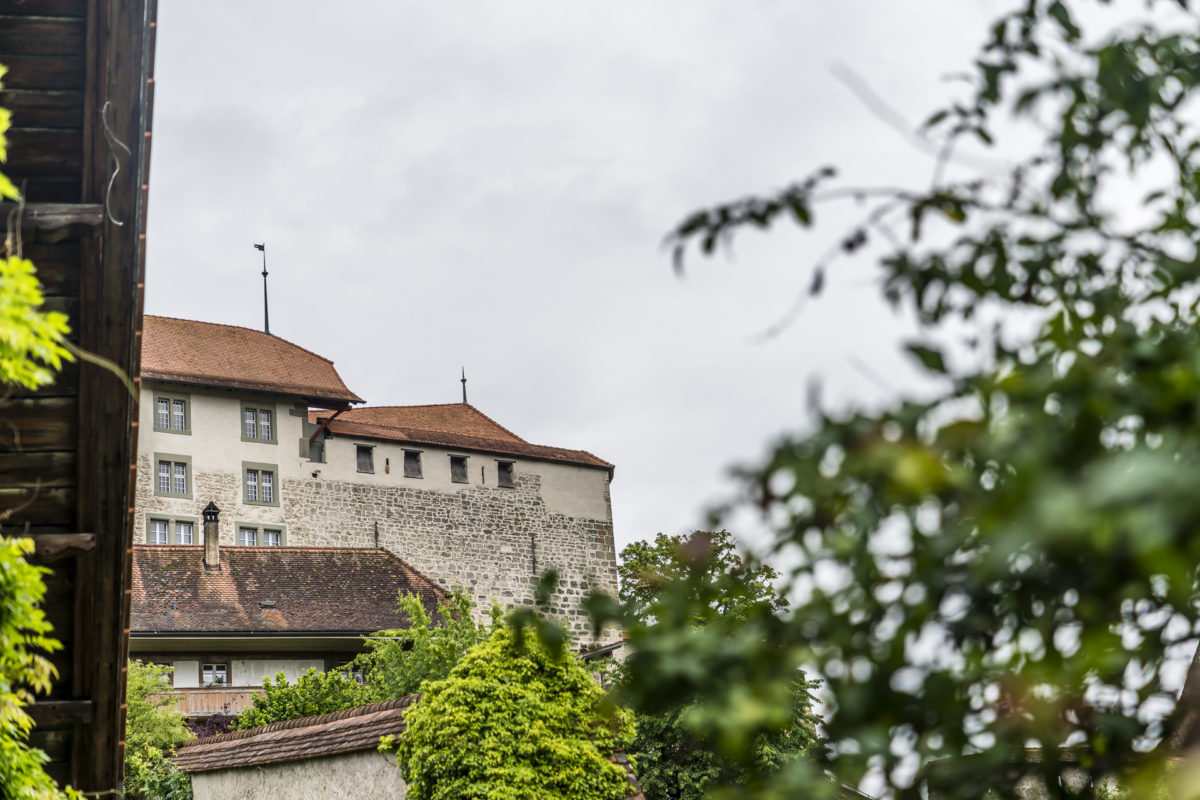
218, 700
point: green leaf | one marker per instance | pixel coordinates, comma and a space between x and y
929, 357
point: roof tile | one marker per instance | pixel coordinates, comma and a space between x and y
240, 358
454, 425
306, 589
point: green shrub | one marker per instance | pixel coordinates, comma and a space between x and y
24, 671
153, 729
399, 661
314, 693
513, 721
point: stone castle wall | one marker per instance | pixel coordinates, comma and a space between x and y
494, 542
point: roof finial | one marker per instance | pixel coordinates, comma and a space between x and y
464, 383
266, 314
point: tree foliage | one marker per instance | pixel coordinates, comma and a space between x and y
153, 729
713, 583
24, 672
31, 340
1011, 563
396, 664
398, 661
514, 721
313, 694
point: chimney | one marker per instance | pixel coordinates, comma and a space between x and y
212, 546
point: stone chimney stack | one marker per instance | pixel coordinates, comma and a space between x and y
212, 546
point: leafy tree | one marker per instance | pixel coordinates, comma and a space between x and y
32, 341
714, 584
514, 721
314, 693
1012, 562
398, 661
24, 671
153, 729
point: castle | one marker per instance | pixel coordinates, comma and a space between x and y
270, 434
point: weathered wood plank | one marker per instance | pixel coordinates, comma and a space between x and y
66, 385
45, 8
40, 36
38, 424
49, 713
57, 266
44, 152
108, 441
27, 469
39, 108
36, 506
81, 217
53, 190
54, 546
42, 72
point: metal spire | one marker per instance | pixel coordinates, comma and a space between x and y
464, 383
266, 313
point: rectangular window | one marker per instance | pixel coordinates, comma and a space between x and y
458, 469
167, 530
504, 474
412, 463
172, 475
214, 674
171, 413
366, 458
249, 534
258, 423
259, 484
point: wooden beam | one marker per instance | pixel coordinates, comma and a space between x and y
53, 713
53, 546
55, 216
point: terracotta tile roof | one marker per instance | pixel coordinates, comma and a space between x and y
239, 358
458, 419
455, 425
347, 731
272, 590
295, 739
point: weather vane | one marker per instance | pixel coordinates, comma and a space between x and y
266, 313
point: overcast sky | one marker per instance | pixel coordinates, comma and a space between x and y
487, 185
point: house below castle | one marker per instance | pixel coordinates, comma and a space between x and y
269, 432
225, 618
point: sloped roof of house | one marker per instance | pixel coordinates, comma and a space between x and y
272, 590
186, 351
453, 425
349, 731
296, 739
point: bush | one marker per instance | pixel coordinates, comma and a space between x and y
24, 636
513, 721
153, 729
314, 693
399, 661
